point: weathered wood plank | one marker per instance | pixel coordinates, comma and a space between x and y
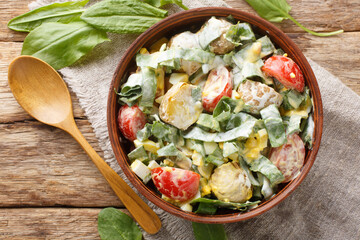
49, 223
10, 110
340, 55
44, 166
317, 15
10, 9
330, 15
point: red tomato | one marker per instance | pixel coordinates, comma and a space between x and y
131, 120
175, 183
286, 71
218, 84
289, 158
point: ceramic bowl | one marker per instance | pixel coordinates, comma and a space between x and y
192, 20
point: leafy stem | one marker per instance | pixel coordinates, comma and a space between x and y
278, 10
319, 34
180, 4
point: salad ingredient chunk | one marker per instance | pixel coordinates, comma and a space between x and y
175, 183
221, 128
258, 95
180, 106
131, 120
230, 183
286, 71
274, 125
218, 84
289, 158
212, 36
187, 40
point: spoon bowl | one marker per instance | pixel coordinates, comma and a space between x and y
41, 91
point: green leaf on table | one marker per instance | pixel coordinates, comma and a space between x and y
114, 224
160, 3
60, 45
209, 231
123, 16
57, 12
278, 10
272, 10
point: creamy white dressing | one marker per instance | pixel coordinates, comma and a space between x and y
179, 108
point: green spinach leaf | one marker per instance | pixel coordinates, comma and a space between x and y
243, 131
60, 44
240, 32
207, 121
160, 3
206, 208
267, 168
274, 125
114, 224
144, 133
131, 91
123, 16
208, 231
225, 107
138, 153
308, 134
222, 204
57, 12
278, 10
148, 88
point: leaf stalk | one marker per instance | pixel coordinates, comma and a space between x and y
324, 34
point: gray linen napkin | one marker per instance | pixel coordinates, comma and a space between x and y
325, 206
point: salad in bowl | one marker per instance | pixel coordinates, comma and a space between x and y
214, 115
219, 117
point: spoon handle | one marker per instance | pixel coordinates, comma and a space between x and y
142, 213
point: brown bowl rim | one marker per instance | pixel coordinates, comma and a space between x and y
276, 35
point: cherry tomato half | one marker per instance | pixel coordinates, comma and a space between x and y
175, 183
286, 71
289, 158
218, 84
131, 120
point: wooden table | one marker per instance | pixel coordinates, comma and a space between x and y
49, 188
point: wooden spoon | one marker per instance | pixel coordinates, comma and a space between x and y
41, 91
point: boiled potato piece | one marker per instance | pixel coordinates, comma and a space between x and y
186, 40
230, 183
220, 45
179, 108
258, 95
